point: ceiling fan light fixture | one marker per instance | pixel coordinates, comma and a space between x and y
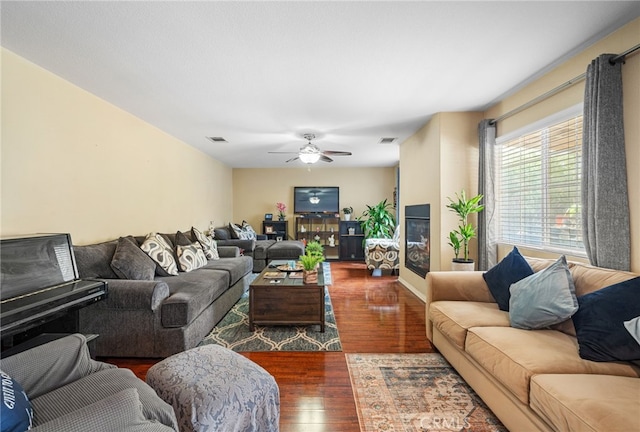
314, 200
309, 158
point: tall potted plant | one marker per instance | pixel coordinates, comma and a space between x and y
378, 221
459, 239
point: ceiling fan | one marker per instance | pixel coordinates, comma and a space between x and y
311, 153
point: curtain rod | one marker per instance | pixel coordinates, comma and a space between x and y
553, 91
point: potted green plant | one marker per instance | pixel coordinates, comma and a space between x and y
310, 262
314, 248
378, 221
347, 212
459, 239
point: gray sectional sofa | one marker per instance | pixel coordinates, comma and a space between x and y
158, 316
260, 249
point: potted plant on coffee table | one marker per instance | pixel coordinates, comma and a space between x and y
310, 262
459, 239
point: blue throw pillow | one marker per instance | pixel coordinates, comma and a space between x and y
16, 412
544, 298
510, 270
599, 322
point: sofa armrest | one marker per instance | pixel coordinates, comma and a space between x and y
135, 294
49, 366
461, 286
228, 251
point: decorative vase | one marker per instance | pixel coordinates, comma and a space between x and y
347, 216
281, 218
462, 265
310, 276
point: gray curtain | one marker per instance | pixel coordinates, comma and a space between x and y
487, 238
605, 199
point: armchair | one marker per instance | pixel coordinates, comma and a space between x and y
383, 253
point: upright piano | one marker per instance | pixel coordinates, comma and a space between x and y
40, 284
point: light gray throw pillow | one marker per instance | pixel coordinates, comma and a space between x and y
543, 299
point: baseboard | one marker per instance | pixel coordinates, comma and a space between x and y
422, 296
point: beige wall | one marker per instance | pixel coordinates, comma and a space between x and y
619, 41
72, 162
441, 158
435, 163
256, 191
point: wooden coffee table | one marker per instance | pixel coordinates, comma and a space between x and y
285, 300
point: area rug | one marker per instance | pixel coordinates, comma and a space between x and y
233, 332
415, 392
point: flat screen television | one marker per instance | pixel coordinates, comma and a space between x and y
316, 199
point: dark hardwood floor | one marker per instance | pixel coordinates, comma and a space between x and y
374, 315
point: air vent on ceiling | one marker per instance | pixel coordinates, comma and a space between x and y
387, 140
217, 139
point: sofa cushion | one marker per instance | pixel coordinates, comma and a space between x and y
588, 278
512, 356
95, 387
130, 262
499, 278
121, 411
158, 248
237, 267
262, 246
190, 294
454, 318
599, 322
16, 411
190, 257
544, 298
579, 402
287, 249
94, 261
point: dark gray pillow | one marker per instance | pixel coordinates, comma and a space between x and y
221, 233
182, 239
130, 262
94, 261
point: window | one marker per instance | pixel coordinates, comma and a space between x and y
539, 198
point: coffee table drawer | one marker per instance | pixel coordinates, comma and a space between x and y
286, 305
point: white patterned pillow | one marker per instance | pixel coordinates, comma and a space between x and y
160, 251
208, 244
191, 257
248, 233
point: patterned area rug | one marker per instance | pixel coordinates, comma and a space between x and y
415, 392
233, 332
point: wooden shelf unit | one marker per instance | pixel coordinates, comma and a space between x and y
351, 245
310, 227
276, 228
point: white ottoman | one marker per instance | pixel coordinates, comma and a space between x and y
212, 388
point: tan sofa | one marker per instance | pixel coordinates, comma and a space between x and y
531, 379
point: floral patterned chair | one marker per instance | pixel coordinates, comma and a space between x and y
383, 254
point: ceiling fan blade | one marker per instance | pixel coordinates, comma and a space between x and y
336, 153
277, 152
325, 158
292, 159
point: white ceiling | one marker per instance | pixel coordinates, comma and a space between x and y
260, 74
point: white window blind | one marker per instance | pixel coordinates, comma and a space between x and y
539, 199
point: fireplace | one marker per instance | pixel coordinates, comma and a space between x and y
417, 243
